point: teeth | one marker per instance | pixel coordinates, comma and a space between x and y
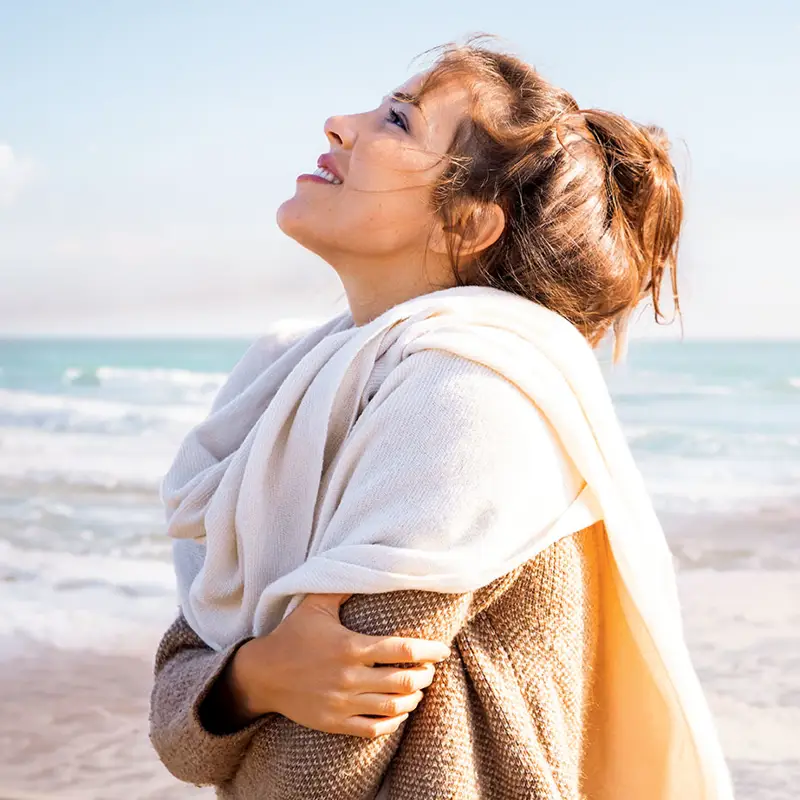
328, 176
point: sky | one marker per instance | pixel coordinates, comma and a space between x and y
145, 146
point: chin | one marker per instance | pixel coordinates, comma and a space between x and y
293, 220
286, 216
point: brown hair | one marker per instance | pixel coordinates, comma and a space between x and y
591, 199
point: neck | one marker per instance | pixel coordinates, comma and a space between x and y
373, 289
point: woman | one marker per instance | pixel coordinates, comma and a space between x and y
539, 683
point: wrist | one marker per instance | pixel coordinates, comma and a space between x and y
239, 684
249, 678
228, 707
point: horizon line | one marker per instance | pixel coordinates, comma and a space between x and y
194, 336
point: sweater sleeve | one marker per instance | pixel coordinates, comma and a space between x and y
293, 761
186, 670
297, 763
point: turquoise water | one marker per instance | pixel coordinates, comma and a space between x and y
713, 425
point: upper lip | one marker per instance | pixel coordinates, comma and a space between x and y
326, 161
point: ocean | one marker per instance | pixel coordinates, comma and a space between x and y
88, 427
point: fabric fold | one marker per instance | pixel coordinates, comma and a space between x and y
299, 483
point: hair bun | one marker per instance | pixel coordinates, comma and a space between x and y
657, 135
591, 200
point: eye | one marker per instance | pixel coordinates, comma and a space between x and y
395, 118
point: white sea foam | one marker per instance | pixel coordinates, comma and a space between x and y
99, 460
129, 376
670, 391
57, 413
653, 384
717, 484
82, 602
146, 386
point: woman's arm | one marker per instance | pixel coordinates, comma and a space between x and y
207, 706
302, 763
298, 763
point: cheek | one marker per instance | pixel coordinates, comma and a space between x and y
389, 191
384, 204
385, 165
393, 220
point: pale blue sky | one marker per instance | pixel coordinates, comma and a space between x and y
144, 146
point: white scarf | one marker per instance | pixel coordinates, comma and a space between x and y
255, 491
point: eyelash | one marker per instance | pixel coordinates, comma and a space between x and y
393, 118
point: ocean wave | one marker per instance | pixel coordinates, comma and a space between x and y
648, 389
135, 376
45, 483
88, 459
693, 442
144, 386
62, 413
58, 569
98, 602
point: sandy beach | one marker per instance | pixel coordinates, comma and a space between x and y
73, 723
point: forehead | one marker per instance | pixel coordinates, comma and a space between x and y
444, 89
443, 107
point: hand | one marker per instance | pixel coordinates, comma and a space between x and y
320, 674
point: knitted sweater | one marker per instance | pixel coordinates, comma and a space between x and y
503, 719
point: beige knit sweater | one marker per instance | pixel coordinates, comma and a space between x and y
504, 718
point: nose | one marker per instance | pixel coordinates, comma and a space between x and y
340, 131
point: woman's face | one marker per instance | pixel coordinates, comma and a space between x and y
384, 163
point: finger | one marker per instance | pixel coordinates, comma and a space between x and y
372, 728
399, 650
392, 680
386, 705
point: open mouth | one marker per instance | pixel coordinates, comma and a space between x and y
327, 176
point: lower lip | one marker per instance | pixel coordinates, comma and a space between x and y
315, 179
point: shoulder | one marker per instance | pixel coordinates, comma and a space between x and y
459, 394
448, 446
446, 413
269, 348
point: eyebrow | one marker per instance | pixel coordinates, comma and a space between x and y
405, 97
